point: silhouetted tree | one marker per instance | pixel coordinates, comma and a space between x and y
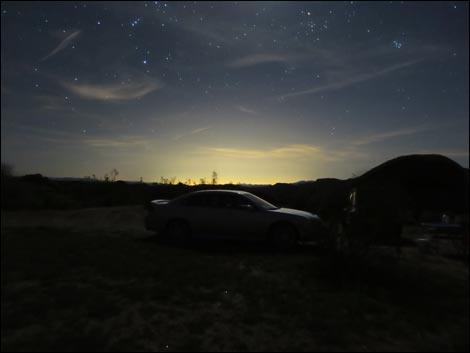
113, 174
214, 178
202, 181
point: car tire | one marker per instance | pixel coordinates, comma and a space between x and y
178, 232
284, 237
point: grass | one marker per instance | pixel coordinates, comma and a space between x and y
82, 291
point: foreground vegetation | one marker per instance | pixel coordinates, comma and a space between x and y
69, 289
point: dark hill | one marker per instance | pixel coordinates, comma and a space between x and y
423, 182
416, 169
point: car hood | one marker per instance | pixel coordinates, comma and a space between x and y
291, 211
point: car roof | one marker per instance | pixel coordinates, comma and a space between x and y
240, 192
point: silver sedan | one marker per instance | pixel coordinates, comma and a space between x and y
232, 214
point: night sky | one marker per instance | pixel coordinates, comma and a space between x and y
261, 92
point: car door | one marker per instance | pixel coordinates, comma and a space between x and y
239, 217
222, 215
195, 210
252, 221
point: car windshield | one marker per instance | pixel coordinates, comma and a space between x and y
264, 205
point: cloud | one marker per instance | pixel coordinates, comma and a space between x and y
352, 79
257, 59
114, 92
288, 151
193, 132
73, 139
291, 151
246, 110
51, 103
203, 31
62, 45
379, 137
196, 131
119, 142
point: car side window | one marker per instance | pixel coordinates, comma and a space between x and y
202, 200
216, 200
194, 201
242, 203
226, 201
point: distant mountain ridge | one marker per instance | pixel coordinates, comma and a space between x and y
419, 183
434, 165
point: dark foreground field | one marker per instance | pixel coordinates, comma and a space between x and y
91, 280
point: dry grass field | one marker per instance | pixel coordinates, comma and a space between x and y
95, 280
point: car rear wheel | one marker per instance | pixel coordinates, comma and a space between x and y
284, 237
178, 232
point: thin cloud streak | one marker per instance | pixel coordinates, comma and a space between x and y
69, 139
287, 151
62, 45
244, 109
196, 131
192, 132
123, 142
114, 92
291, 151
391, 134
349, 81
257, 59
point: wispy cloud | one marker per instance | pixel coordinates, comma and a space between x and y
351, 80
244, 109
299, 55
117, 142
286, 151
63, 44
291, 151
73, 139
51, 103
261, 58
193, 132
114, 92
379, 137
204, 31
196, 131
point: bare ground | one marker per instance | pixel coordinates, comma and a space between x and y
93, 280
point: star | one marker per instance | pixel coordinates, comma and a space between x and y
397, 44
